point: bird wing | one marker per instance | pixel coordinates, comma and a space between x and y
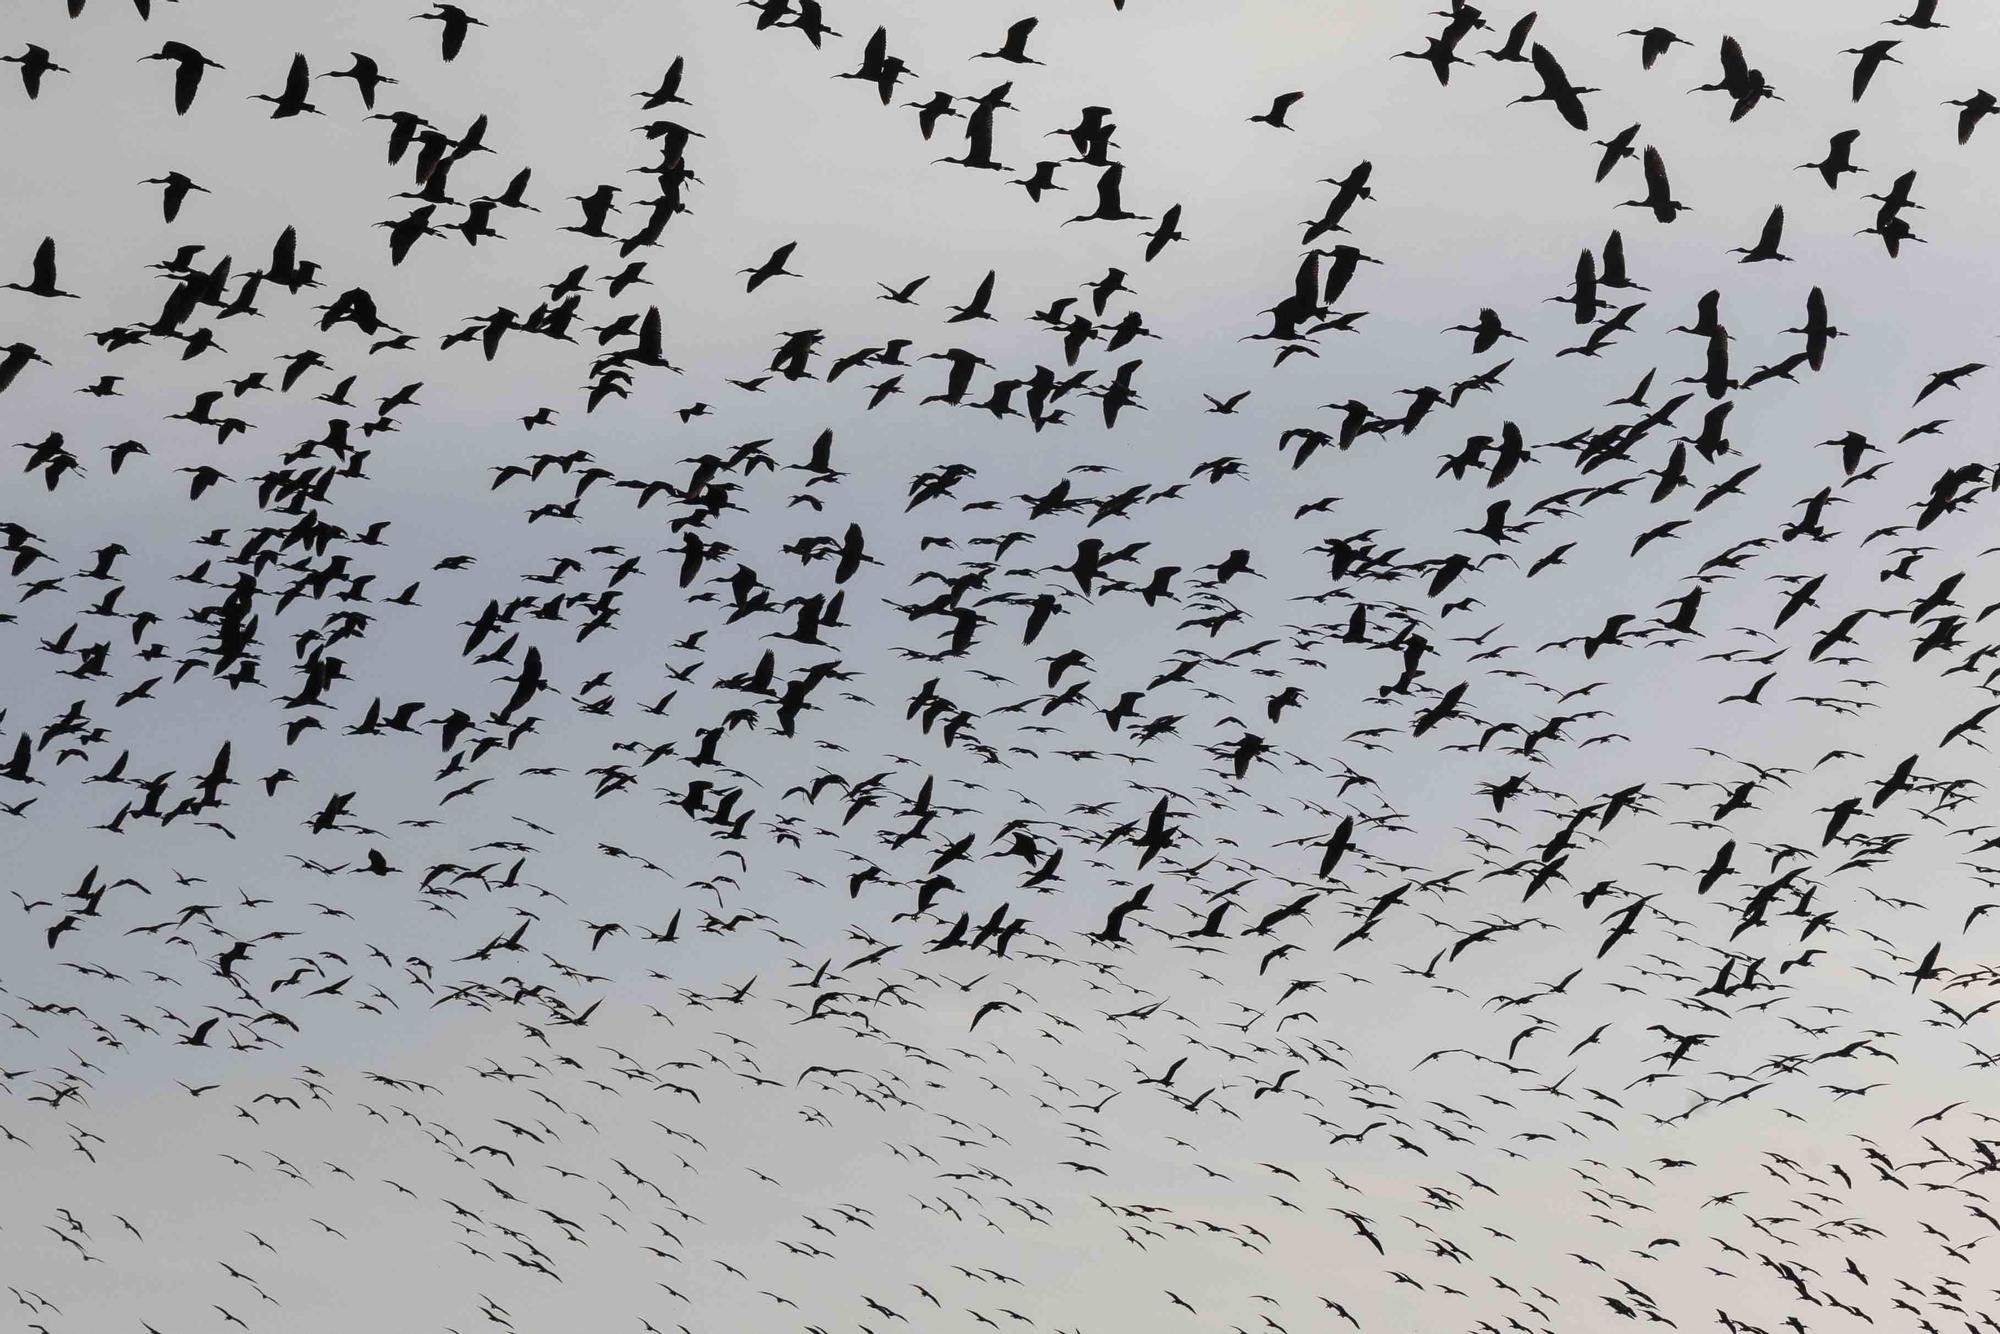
1774, 230
1108, 186
1656, 175
187, 78
1735, 69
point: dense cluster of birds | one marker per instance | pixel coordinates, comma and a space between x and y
759, 885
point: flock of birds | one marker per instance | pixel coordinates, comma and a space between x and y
1109, 893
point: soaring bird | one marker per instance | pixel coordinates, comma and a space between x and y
189, 64
42, 279
35, 62
365, 73
774, 267
1275, 117
454, 23
1557, 90
1972, 110
1768, 240
1659, 200
1110, 207
1015, 48
292, 100
1839, 159
1872, 57
1654, 43
176, 188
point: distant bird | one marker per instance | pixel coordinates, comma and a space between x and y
292, 100
1041, 182
1924, 15
1838, 161
176, 187
1818, 330
975, 309
189, 64
1659, 198
1872, 57
1654, 43
1972, 110
367, 76
1513, 50
774, 267
42, 280
454, 23
35, 62
14, 357
1557, 90
1275, 117
1486, 332
669, 91
1768, 240
1746, 87
1110, 206
1616, 149
1164, 233
1949, 379
1015, 48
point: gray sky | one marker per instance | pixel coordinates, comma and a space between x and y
679, 1139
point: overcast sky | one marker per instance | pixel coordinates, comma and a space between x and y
676, 1138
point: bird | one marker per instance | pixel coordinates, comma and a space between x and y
1871, 59
1015, 49
1659, 200
36, 63
1838, 161
1745, 86
189, 66
1616, 149
453, 25
1042, 181
1922, 15
1557, 90
1949, 379
367, 76
1768, 240
1972, 110
42, 277
1110, 205
292, 100
175, 189
668, 91
1280, 106
774, 267
1653, 43
975, 309
14, 358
